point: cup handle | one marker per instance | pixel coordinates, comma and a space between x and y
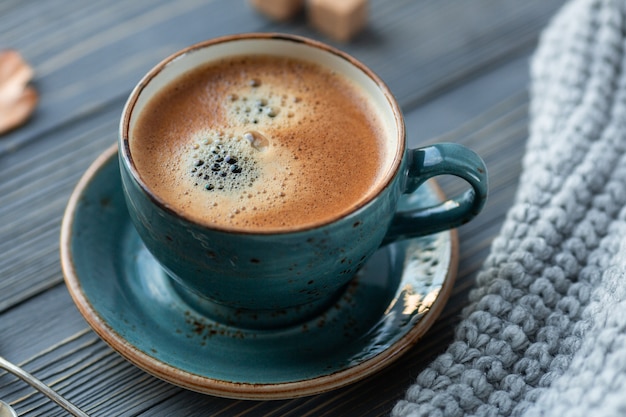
431, 161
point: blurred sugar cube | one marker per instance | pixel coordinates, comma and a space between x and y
338, 19
278, 9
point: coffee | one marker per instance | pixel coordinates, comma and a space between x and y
261, 143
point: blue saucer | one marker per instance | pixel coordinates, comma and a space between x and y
131, 304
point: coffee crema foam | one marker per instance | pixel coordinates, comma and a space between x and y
260, 143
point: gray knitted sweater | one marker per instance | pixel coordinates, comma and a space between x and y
545, 332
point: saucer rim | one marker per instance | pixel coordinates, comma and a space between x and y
229, 389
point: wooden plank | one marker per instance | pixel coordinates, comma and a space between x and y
35, 185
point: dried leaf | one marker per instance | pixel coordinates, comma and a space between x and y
17, 98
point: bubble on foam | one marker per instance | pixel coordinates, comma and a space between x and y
271, 111
256, 140
259, 105
219, 164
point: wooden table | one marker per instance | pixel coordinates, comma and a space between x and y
458, 68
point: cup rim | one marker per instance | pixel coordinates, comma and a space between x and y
124, 129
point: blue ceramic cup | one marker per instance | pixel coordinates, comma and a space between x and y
274, 279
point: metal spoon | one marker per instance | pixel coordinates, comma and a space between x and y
7, 411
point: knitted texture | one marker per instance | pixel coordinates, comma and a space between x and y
545, 331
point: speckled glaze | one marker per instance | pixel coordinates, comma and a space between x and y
270, 280
131, 303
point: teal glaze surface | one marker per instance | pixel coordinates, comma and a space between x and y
129, 301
